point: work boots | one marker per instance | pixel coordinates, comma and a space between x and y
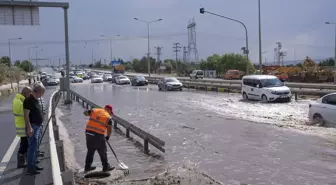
21, 160
108, 168
89, 168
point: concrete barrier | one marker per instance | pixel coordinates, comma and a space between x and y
59, 173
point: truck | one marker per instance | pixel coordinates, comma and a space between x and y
120, 69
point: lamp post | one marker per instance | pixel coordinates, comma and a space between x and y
111, 39
245, 50
335, 52
260, 52
10, 58
93, 55
29, 53
36, 57
148, 54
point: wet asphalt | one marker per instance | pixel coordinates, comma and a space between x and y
218, 133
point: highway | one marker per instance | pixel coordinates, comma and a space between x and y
212, 79
233, 141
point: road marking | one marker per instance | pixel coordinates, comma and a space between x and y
8, 155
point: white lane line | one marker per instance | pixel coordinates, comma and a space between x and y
8, 155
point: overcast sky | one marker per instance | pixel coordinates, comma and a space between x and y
298, 24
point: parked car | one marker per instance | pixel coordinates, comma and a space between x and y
197, 74
51, 82
114, 77
169, 83
139, 80
96, 79
266, 88
75, 79
322, 111
122, 80
107, 77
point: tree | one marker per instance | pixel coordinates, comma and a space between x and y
26, 66
309, 65
17, 63
327, 62
16, 74
226, 62
3, 72
6, 61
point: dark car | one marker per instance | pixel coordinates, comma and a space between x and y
139, 80
170, 84
114, 76
86, 77
51, 82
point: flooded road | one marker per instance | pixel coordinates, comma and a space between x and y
206, 130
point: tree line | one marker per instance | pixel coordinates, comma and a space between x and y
9, 72
220, 63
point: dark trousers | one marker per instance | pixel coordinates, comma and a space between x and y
23, 145
95, 142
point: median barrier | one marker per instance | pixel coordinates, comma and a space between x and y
61, 176
129, 127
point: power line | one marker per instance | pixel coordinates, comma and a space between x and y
124, 38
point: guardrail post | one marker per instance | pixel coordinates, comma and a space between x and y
146, 149
296, 96
115, 124
127, 132
87, 105
82, 103
56, 132
77, 99
60, 154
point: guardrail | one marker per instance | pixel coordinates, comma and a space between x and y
238, 82
147, 138
59, 173
233, 86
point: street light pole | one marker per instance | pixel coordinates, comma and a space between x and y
29, 53
111, 39
246, 50
260, 54
335, 52
148, 54
10, 59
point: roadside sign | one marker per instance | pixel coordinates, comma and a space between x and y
19, 15
162, 67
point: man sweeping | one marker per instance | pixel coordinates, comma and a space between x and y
99, 123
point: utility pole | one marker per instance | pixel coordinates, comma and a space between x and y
185, 52
59, 62
158, 53
176, 48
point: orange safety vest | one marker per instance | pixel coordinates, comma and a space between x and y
98, 121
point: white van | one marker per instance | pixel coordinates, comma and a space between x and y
197, 74
265, 88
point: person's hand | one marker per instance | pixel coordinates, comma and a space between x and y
107, 138
30, 131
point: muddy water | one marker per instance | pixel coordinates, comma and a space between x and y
206, 130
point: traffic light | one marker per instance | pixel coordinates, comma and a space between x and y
202, 10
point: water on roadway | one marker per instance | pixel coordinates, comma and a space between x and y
206, 130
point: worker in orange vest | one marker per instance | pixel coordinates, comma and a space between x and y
99, 123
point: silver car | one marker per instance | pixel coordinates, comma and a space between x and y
170, 84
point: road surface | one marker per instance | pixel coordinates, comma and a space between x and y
233, 141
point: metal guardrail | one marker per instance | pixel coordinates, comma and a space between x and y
147, 138
234, 87
320, 86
